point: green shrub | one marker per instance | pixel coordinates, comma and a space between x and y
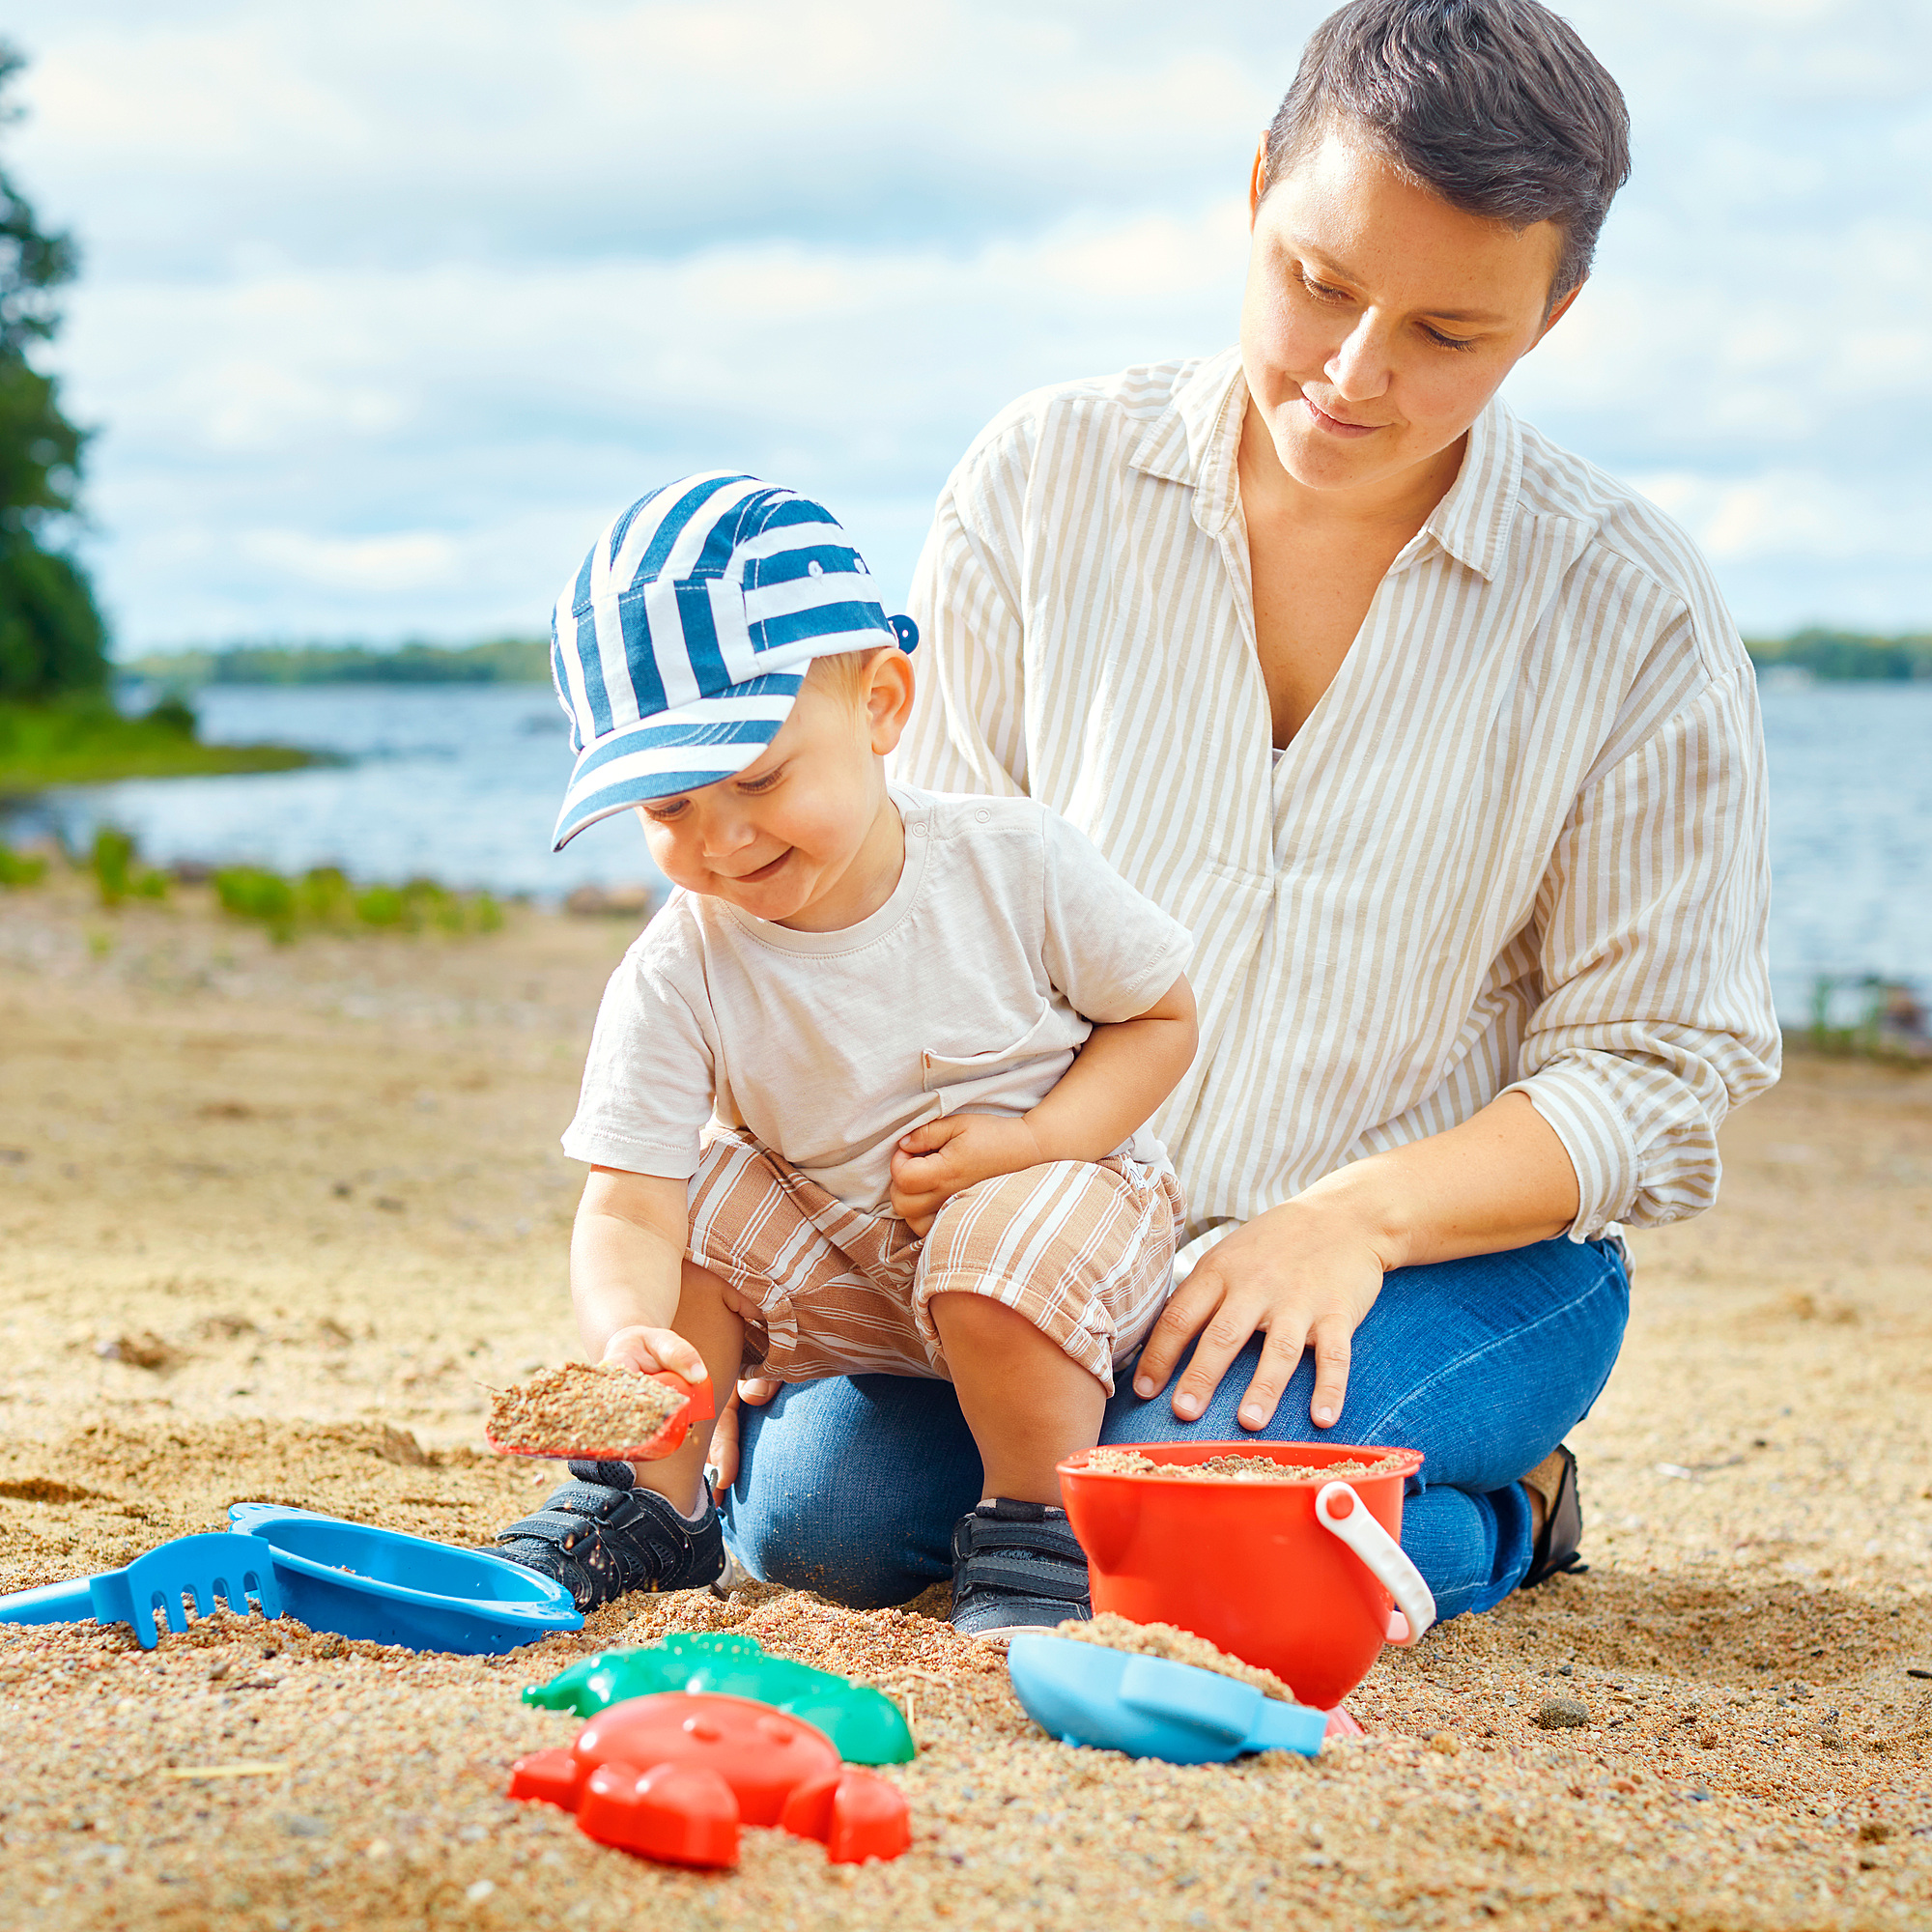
112, 859
20, 868
175, 714
381, 906
323, 898
249, 891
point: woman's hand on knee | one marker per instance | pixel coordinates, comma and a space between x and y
1301, 1275
721, 1463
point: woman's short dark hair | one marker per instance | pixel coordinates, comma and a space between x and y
1496, 106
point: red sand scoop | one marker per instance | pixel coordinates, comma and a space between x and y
698, 1406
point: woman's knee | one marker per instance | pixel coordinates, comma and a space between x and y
850, 1487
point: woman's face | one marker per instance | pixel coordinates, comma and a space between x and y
1378, 318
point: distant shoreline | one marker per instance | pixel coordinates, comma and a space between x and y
500, 661
1830, 656
91, 743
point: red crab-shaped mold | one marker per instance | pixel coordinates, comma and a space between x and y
672, 1777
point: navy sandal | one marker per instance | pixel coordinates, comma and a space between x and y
599, 1537
1016, 1566
1555, 1480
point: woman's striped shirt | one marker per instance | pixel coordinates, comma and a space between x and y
1519, 841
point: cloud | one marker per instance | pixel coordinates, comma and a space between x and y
513, 417
388, 305
402, 560
1786, 516
367, 133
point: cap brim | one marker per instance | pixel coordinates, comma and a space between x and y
674, 751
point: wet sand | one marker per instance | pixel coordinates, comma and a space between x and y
272, 1219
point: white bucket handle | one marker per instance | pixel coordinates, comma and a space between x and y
1343, 1514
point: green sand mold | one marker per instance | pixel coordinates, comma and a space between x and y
864, 1724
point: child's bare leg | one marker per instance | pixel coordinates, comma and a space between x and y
1027, 1402
708, 1318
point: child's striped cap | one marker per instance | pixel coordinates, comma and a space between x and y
680, 645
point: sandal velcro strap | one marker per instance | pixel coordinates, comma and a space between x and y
612, 1475
1063, 1582
601, 1540
545, 1522
1048, 1538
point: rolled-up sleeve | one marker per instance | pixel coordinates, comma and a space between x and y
1657, 1014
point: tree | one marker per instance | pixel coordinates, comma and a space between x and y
51, 636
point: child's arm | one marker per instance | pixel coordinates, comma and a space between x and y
1118, 1078
626, 1263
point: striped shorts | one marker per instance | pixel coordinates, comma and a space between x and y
1083, 1249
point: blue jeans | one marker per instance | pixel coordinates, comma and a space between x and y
851, 1486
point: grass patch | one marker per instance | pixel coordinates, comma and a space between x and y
324, 899
117, 872
91, 743
20, 868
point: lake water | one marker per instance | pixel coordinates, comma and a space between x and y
455, 783
462, 782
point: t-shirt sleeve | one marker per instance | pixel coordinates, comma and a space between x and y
650, 1076
1110, 949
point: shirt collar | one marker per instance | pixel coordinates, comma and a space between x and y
1197, 438
1473, 522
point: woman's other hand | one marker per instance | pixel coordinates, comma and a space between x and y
1306, 1273
721, 1464
945, 1156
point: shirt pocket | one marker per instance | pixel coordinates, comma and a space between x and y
1006, 1079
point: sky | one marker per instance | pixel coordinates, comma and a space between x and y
388, 305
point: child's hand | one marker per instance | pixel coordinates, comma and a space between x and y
934, 1162
649, 1349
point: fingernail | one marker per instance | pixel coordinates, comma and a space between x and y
1186, 1404
1143, 1388
1325, 1416
1253, 1417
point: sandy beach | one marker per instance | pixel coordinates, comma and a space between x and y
272, 1220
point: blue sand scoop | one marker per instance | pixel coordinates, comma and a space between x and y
386, 1587
148, 1592
1150, 1707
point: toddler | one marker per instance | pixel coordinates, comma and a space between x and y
869, 1094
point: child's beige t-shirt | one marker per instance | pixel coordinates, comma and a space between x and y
1007, 937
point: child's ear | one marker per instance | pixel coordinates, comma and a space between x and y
889, 700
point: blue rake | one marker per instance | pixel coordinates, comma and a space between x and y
148, 1592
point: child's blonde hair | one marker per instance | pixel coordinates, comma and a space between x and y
848, 673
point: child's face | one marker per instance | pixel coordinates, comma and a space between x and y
804, 835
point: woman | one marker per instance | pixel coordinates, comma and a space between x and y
1442, 744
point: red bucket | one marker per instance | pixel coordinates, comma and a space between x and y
1253, 1565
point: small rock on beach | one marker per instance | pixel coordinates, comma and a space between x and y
1562, 1714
